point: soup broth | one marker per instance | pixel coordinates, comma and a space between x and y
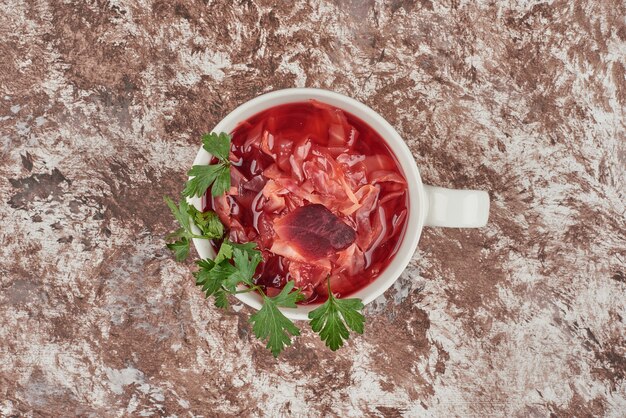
321, 194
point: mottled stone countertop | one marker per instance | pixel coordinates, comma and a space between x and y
101, 108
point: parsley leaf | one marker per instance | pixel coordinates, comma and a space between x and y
249, 247
216, 176
179, 212
211, 276
180, 246
227, 275
208, 222
202, 275
226, 250
245, 266
210, 284
218, 274
222, 182
221, 301
286, 298
270, 324
180, 249
203, 176
330, 319
179, 233
217, 145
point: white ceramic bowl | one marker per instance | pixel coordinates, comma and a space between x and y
430, 206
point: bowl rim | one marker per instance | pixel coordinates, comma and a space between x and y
416, 193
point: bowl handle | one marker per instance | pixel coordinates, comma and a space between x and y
456, 208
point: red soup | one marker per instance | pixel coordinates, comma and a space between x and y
320, 193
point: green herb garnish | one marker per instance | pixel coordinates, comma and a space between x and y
207, 222
330, 319
233, 268
210, 227
227, 247
270, 324
211, 276
223, 278
216, 176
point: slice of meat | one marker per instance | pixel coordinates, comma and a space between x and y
314, 232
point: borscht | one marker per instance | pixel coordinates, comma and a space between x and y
320, 193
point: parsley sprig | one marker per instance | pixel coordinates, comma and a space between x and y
233, 269
270, 324
330, 319
236, 264
208, 223
216, 176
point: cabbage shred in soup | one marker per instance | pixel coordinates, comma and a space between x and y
320, 193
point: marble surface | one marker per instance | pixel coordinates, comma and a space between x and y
101, 107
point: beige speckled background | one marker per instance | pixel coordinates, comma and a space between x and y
101, 106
